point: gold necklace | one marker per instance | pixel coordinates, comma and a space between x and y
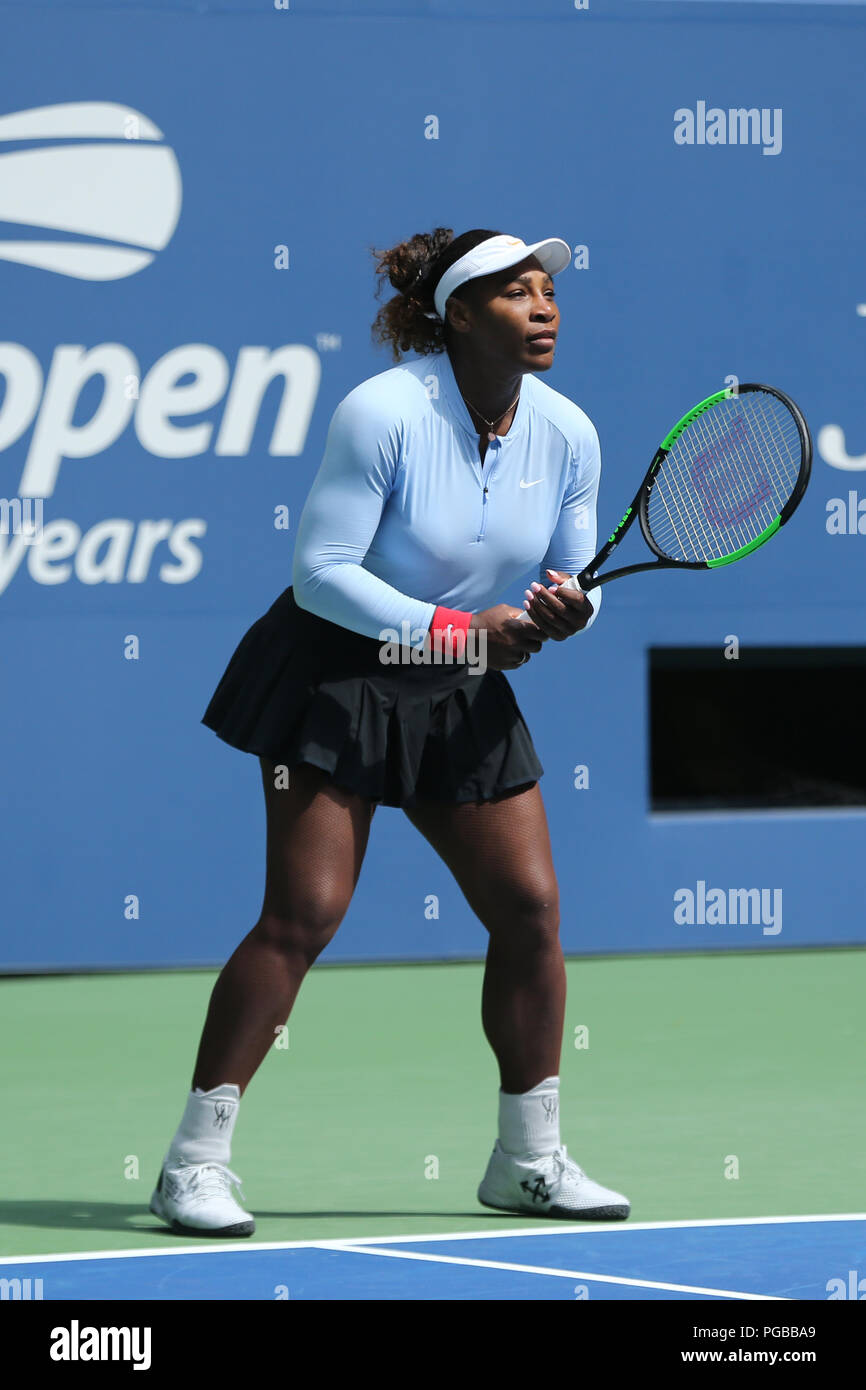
491, 433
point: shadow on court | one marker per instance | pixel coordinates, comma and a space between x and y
134, 1216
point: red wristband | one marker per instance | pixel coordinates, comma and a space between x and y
450, 625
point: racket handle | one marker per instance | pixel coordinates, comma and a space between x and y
573, 583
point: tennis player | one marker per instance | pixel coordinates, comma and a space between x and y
444, 479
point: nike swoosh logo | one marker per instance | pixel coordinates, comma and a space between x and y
532, 484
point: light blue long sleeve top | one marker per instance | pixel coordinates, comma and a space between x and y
402, 516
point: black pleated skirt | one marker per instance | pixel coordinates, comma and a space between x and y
300, 689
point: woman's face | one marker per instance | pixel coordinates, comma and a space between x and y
511, 317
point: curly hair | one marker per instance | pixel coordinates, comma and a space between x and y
414, 268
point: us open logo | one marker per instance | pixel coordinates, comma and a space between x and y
100, 191
119, 183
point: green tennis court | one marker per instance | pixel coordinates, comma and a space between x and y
704, 1087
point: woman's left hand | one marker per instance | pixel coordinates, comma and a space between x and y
558, 612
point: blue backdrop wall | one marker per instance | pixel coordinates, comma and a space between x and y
188, 195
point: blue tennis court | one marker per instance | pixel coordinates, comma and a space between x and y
797, 1258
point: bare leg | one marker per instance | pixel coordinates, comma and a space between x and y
316, 839
499, 853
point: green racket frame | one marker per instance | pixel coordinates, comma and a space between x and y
590, 579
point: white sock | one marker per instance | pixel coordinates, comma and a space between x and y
529, 1123
205, 1132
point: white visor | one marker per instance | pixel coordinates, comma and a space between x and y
498, 253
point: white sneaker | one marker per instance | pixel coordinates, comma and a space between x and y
196, 1200
551, 1185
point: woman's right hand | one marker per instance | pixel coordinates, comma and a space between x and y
510, 636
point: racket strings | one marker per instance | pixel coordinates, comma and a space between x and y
726, 478
770, 454
721, 488
767, 458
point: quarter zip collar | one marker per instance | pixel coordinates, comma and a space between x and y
460, 410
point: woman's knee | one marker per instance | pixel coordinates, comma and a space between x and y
303, 928
526, 913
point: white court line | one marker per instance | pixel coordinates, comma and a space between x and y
568, 1228
565, 1229
559, 1273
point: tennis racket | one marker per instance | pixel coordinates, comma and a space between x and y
725, 479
